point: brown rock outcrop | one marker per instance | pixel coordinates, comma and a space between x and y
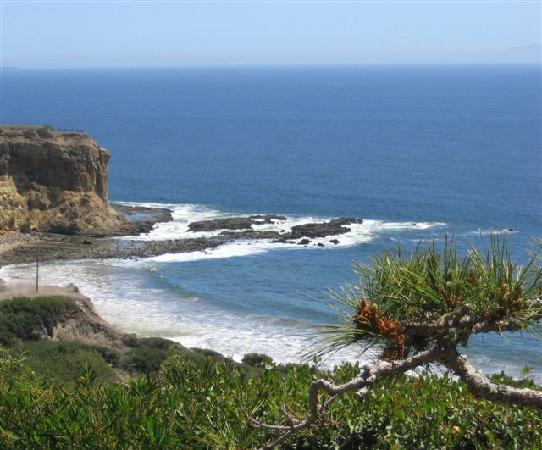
54, 181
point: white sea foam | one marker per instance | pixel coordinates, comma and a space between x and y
490, 232
229, 250
183, 215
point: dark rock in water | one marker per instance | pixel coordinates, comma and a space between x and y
346, 221
320, 244
303, 242
234, 223
322, 229
86, 242
141, 219
249, 234
334, 241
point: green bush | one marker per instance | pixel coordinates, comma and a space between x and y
29, 133
205, 404
259, 360
55, 195
45, 132
27, 319
64, 361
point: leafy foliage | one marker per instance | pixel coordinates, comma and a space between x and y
204, 404
432, 285
62, 361
22, 319
45, 131
29, 133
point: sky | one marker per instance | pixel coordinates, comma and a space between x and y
81, 34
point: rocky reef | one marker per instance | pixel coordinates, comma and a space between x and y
54, 181
241, 228
234, 223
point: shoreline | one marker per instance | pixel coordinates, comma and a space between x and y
23, 248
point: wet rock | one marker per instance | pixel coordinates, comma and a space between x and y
320, 244
249, 234
140, 219
332, 228
304, 242
334, 241
234, 223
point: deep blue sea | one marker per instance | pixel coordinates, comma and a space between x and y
418, 151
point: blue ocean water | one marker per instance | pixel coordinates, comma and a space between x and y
418, 150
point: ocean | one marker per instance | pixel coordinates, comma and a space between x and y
417, 151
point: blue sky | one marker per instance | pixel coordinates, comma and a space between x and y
175, 33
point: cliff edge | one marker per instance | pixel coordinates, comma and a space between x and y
54, 181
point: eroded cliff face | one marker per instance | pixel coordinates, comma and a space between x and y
54, 181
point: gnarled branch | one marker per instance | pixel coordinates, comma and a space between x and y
482, 386
366, 378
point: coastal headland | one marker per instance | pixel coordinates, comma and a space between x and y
54, 205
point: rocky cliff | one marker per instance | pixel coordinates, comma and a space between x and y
54, 181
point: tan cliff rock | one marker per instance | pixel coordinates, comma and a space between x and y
54, 181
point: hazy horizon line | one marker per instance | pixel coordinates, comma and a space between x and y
270, 65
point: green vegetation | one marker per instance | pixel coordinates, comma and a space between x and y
64, 361
55, 195
29, 133
145, 355
420, 307
397, 291
45, 131
206, 403
259, 360
22, 319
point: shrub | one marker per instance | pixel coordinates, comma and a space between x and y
205, 404
420, 308
29, 133
145, 359
23, 319
55, 194
259, 360
145, 354
63, 361
45, 132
